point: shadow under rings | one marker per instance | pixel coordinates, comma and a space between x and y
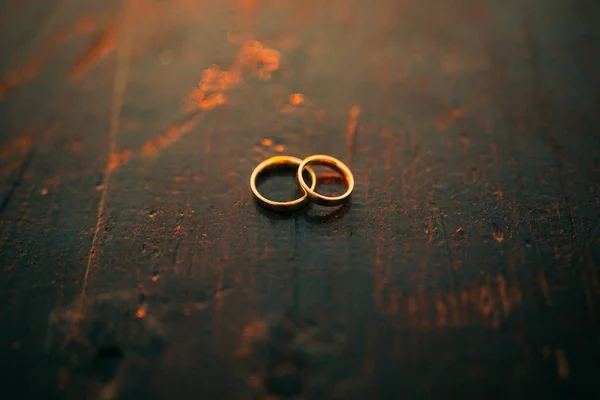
308, 211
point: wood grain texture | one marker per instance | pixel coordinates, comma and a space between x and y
134, 263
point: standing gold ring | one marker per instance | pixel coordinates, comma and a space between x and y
321, 159
279, 161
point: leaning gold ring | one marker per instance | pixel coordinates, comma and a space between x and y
274, 162
321, 159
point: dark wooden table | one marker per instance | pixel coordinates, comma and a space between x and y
135, 264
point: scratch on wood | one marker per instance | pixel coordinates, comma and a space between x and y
485, 301
544, 286
17, 181
19, 146
30, 69
172, 135
209, 94
19, 76
506, 305
121, 74
253, 56
22, 74
102, 46
453, 310
152, 146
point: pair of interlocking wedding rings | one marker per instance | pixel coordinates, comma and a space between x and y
309, 193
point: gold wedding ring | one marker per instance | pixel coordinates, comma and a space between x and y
321, 159
277, 162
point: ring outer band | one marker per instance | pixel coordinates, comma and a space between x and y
319, 199
280, 206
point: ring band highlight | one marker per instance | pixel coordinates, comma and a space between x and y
319, 199
280, 206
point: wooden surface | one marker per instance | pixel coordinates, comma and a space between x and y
134, 263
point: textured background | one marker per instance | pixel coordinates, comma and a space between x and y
134, 263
